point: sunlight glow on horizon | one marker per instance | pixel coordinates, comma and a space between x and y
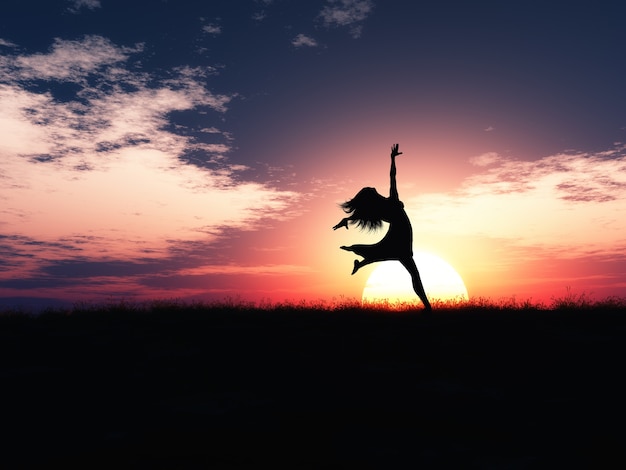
391, 282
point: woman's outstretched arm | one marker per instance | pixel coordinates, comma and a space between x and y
393, 187
344, 222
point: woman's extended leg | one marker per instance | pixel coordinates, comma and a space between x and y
370, 254
359, 264
410, 266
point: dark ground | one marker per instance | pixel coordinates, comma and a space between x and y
213, 388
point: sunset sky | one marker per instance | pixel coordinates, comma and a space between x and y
199, 150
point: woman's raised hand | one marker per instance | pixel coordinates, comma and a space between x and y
394, 151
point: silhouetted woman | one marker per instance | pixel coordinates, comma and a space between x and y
369, 210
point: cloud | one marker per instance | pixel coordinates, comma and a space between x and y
68, 61
350, 13
113, 107
490, 129
88, 4
302, 40
572, 203
213, 29
95, 171
273, 269
5, 43
485, 159
259, 16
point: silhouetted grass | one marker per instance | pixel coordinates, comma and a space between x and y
569, 302
173, 384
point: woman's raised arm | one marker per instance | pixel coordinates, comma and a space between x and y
393, 187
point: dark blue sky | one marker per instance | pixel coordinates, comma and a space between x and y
551, 69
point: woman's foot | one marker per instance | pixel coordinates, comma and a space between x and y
347, 248
357, 265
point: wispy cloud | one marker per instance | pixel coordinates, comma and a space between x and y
485, 159
70, 61
213, 29
573, 202
303, 40
259, 15
262, 14
350, 13
77, 5
113, 107
96, 171
273, 269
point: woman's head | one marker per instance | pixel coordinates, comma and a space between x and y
367, 208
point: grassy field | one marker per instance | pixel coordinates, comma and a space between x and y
167, 384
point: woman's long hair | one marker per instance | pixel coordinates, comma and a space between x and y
367, 209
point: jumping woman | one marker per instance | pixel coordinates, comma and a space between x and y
368, 210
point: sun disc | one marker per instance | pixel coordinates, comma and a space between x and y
390, 281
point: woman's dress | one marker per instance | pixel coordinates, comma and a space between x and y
398, 241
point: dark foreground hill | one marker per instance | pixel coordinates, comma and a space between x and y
214, 387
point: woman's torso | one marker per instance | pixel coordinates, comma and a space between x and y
400, 232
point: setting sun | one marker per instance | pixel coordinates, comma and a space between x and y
391, 282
